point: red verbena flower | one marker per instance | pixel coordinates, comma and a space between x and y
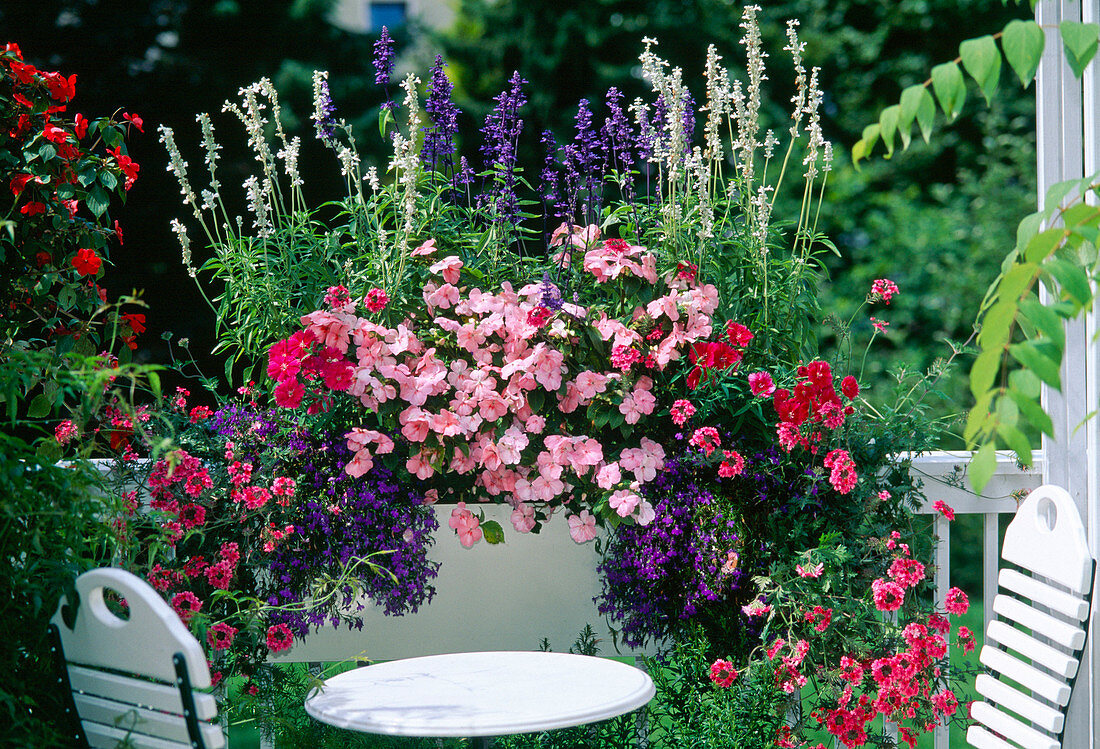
220, 636
186, 605
279, 638
957, 603
722, 673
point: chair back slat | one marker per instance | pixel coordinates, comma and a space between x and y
1043, 609
108, 737
99, 638
146, 693
1040, 714
130, 717
979, 737
1039, 593
1018, 612
1011, 728
1047, 538
1038, 652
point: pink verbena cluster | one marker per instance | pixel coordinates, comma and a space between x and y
478, 384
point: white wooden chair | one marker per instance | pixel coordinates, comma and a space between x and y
132, 680
1046, 542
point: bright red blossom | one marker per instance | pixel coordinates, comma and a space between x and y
86, 262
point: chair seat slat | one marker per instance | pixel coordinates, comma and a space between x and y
1039, 652
1064, 603
1010, 728
138, 691
1045, 685
168, 726
1040, 623
981, 738
1042, 715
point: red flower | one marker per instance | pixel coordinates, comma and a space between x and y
128, 166
118, 231
80, 126
24, 73
186, 605
55, 134
136, 321
33, 208
722, 673
135, 120
19, 182
279, 638
42, 258
14, 49
61, 88
220, 636
86, 262
849, 387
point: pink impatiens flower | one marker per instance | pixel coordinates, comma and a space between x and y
466, 525
582, 527
623, 502
449, 267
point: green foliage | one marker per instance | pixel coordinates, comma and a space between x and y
53, 526
1022, 339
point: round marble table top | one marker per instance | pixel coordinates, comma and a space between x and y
480, 694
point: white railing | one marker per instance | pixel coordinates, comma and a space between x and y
944, 479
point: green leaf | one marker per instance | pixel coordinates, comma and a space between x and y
1072, 278
1027, 229
1046, 320
871, 135
1025, 383
1079, 41
39, 407
1016, 441
926, 114
1007, 412
1043, 244
888, 122
1031, 410
982, 60
982, 467
984, 371
1030, 356
154, 384
108, 179
97, 201
1057, 193
1023, 42
950, 88
494, 534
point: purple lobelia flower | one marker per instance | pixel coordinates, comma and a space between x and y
501, 132
439, 146
659, 577
342, 519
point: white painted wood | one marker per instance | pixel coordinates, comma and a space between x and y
1037, 652
1011, 728
1040, 714
1041, 683
144, 721
146, 693
1048, 539
99, 638
105, 737
1045, 595
142, 648
982, 739
1038, 622
991, 544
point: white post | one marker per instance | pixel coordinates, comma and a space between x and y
1068, 148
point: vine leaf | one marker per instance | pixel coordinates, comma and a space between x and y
982, 466
1023, 42
888, 124
982, 60
1029, 355
1080, 42
950, 88
916, 103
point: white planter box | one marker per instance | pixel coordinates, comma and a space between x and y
503, 597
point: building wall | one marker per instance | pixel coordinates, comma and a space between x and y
356, 15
